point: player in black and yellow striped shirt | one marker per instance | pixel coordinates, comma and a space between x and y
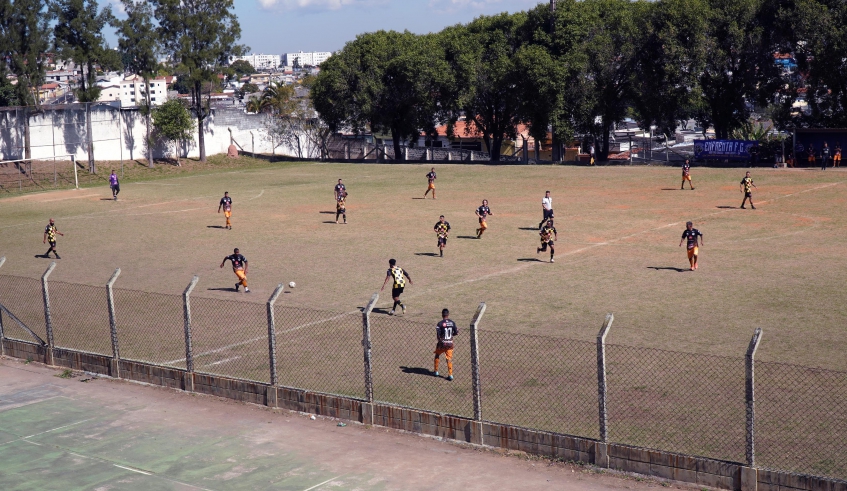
442, 228
548, 237
341, 206
399, 277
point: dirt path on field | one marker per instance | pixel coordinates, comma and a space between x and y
108, 434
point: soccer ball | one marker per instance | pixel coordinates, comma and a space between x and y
292, 284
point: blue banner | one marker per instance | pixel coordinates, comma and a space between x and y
724, 149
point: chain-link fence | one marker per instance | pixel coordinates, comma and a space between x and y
801, 420
778, 417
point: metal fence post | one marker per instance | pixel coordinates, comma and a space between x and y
601, 455
272, 334
368, 407
186, 313
2, 332
750, 394
48, 319
476, 428
113, 325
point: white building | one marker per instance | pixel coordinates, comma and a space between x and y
260, 61
314, 58
132, 91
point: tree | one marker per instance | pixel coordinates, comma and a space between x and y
278, 99
78, 35
137, 42
25, 36
173, 123
384, 81
200, 36
245, 89
241, 68
483, 58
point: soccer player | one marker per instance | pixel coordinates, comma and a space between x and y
226, 204
695, 240
399, 277
239, 267
836, 156
50, 232
746, 186
114, 185
824, 156
445, 330
686, 175
341, 207
431, 187
442, 229
548, 237
811, 154
482, 212
546, 209
340, 189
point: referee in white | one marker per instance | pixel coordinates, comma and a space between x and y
547, 208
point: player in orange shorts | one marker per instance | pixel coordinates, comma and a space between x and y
695, 240
836, 156
811, 154
430, 176
226, 204
445, 330
482, 212
239, 267
686, 175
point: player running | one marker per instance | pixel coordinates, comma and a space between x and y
482, 212
50, 232
431, 187
695, 240
442, 229
548, 237
546, 208
686, 175
226, 204
445, 330
239, 267
341, 207
746, 186
340, 189
399, 277
115, 185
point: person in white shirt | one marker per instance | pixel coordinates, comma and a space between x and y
547, 208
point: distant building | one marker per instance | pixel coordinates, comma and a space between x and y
314, 58
259, 62
65, 75
132, 90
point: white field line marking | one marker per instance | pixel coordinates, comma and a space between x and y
260, 338
607, 243
133, 470
223, 361
25, 438
258, 196
72, 197
163, 212
316, 486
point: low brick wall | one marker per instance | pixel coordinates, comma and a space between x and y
666, 465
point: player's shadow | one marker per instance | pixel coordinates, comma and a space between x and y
417, 371
380, 311
667, 268
530, 260
329, 221
214, 226
466, 237
418, 198
670, 189
428, 254
534, 229
327, 212
221, 289
727, 207
107, 199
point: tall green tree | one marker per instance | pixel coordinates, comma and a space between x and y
25, 36
138, 45
200, 36
173, 124
483, 58
384, 81
78, 35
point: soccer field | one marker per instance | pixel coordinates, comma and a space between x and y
779, 267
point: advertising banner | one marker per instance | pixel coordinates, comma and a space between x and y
724, 149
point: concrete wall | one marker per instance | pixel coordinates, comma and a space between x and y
666, 465
120, 133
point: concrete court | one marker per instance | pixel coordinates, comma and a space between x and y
101, 434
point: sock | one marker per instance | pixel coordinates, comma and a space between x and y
436, 365
396, 303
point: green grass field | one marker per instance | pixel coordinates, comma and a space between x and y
779, 267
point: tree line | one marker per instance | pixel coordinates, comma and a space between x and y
581, 67
198, 37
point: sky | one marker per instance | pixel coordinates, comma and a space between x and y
280, 26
